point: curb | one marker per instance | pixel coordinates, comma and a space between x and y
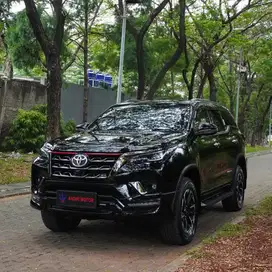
255, 154
176, 264
15, 192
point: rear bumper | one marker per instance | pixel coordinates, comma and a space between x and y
107, 206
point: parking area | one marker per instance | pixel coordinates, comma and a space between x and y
26, 245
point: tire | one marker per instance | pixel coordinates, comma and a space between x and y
180, 228
235, 202
58, 222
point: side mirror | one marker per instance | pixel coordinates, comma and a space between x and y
82, 127
206, 129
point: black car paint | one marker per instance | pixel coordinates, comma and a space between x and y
184, 153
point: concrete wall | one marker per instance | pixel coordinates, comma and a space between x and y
22, 94
72, 102
18, 94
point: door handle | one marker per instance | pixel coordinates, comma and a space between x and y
235, 141
216, 144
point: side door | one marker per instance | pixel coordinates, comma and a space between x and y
223, 164
205, 148
234, 141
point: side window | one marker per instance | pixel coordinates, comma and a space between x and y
228, 119
202, 116
217, 120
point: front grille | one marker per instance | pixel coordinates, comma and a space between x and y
98, 167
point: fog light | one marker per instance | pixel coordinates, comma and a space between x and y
35, 198
154, 186
138, 186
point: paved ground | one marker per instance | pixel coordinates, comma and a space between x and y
26, 245
14, 189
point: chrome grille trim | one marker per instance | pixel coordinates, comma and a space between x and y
97, 168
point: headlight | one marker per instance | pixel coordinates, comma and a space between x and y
43, 158
45, 150
139, 161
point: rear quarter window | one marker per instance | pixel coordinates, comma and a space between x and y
228, 118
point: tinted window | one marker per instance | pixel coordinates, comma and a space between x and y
228, 119
202, 116
158, 117
217, 120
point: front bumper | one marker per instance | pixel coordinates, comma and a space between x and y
107, 206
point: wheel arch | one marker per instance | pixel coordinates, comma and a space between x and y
191, 171
242, 162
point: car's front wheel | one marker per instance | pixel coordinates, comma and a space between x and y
59, 222
180, 228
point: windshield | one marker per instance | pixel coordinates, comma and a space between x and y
158, 117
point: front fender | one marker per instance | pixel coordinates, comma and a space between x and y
173, 168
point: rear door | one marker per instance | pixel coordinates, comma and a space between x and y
223, 164
206, 149
234, 140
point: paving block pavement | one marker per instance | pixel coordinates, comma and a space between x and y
104, 246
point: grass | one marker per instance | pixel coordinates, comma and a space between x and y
264, 208
14, 170
257, 148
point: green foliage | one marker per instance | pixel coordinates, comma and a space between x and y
42, 108
28, 130
68, 128
25, 50
23, 47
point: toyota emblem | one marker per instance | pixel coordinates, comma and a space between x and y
79, 160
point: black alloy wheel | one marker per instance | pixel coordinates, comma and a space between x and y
180, 227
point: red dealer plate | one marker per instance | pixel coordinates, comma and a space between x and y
76, 199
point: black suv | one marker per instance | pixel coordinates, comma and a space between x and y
143, 159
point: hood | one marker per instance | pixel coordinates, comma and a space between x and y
115, 142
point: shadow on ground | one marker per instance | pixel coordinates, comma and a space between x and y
102, 234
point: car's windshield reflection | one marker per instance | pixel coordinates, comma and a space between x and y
144, 118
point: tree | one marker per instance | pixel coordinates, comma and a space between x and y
51, 47
85, 15
5, 14
181, 49
139, 36
255, 91
24, 49
213, 23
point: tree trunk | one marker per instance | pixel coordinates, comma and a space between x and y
140, 67
85, 52
51, 49
160, 76
181, 48
8, 68
253, 139
53, 93
172, 83
213, 89
201, 86
231, 104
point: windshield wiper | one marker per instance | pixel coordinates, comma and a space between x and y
91, 132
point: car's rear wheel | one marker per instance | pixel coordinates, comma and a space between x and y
59, 222
236, 201
180, 228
